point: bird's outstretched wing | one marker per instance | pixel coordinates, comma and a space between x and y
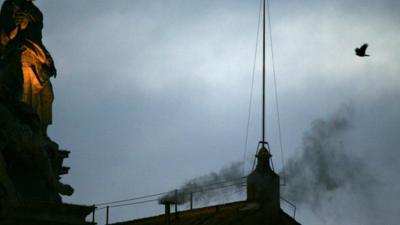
364, 47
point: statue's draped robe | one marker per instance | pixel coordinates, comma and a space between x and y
36, 63
37, 90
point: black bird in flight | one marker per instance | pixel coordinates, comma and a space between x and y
361, 51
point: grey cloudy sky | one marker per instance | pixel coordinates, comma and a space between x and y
153, 93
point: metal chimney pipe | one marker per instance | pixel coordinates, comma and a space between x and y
167, 213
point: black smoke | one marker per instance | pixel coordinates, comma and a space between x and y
325, 166
325, 175
215, 186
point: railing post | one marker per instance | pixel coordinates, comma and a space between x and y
94, 214
191, 200
107, 214
176, 203
294, 214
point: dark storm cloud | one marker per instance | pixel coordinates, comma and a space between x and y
116, 62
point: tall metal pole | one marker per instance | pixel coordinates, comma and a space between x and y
263, 81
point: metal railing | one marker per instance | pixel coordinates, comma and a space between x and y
174, 200
157, 197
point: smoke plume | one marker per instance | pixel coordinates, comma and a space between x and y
324, 175
325, 166
212, 187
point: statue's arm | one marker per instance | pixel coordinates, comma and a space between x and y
7, 21
12, 17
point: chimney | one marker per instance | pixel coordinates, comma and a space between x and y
167, 212
167, 201
263, 183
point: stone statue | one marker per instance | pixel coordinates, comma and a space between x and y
22, 24
30, 163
